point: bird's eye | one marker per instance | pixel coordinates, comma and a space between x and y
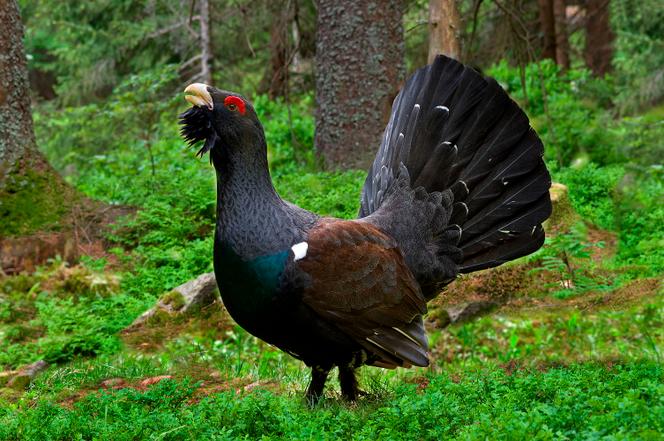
235, 104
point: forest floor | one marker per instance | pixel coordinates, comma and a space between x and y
543, 363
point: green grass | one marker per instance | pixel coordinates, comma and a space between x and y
578, 402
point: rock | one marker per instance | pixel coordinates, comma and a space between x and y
184, 299
35, 368
468, 311
442, 319
20, 379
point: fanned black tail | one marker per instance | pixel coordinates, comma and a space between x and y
455, 129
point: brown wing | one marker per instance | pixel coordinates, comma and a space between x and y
360, 282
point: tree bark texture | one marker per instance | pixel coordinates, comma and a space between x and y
444, 28
359, 68
32, 194
16, 134
562, 42
275, 79
548, 29
599, 37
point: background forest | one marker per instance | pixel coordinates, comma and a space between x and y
563, 344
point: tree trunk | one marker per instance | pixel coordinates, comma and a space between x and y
359, 68
296, 63
562, 43
599, 37
444, 28
275, 79
206, 53
548, 29
32, 194
34, 199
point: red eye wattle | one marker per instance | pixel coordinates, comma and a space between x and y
235, 103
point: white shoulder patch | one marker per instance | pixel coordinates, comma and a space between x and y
300, 250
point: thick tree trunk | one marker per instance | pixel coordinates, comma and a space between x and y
548, 29
562, 42
359, 67
32, 194
444, 28
599, 37
34, 200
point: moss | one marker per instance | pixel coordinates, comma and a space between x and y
563, 215
78, 281
20, 283
159, 317
33, 200
174, 299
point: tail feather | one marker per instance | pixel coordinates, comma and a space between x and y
501, 251
506, 229
454, 129
505, 205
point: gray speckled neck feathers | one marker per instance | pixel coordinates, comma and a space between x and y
251, 217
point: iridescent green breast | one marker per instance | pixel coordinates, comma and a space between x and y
247, 286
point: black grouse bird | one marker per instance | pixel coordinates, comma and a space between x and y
458, 185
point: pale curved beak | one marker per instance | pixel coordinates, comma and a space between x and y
198, 95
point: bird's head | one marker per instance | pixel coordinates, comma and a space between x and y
224, 120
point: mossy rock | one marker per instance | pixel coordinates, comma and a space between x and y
183, 301
174, 299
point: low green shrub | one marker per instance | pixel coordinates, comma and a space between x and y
592, 191
640, 220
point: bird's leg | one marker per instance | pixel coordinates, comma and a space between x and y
318, 379
348, 382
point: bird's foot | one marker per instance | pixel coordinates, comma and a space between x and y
315, 389
348, 382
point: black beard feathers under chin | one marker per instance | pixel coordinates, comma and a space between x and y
196, 127
209, 144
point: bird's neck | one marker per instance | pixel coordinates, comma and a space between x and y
243, 174
249, 209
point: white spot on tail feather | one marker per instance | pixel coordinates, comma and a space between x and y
300, 250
